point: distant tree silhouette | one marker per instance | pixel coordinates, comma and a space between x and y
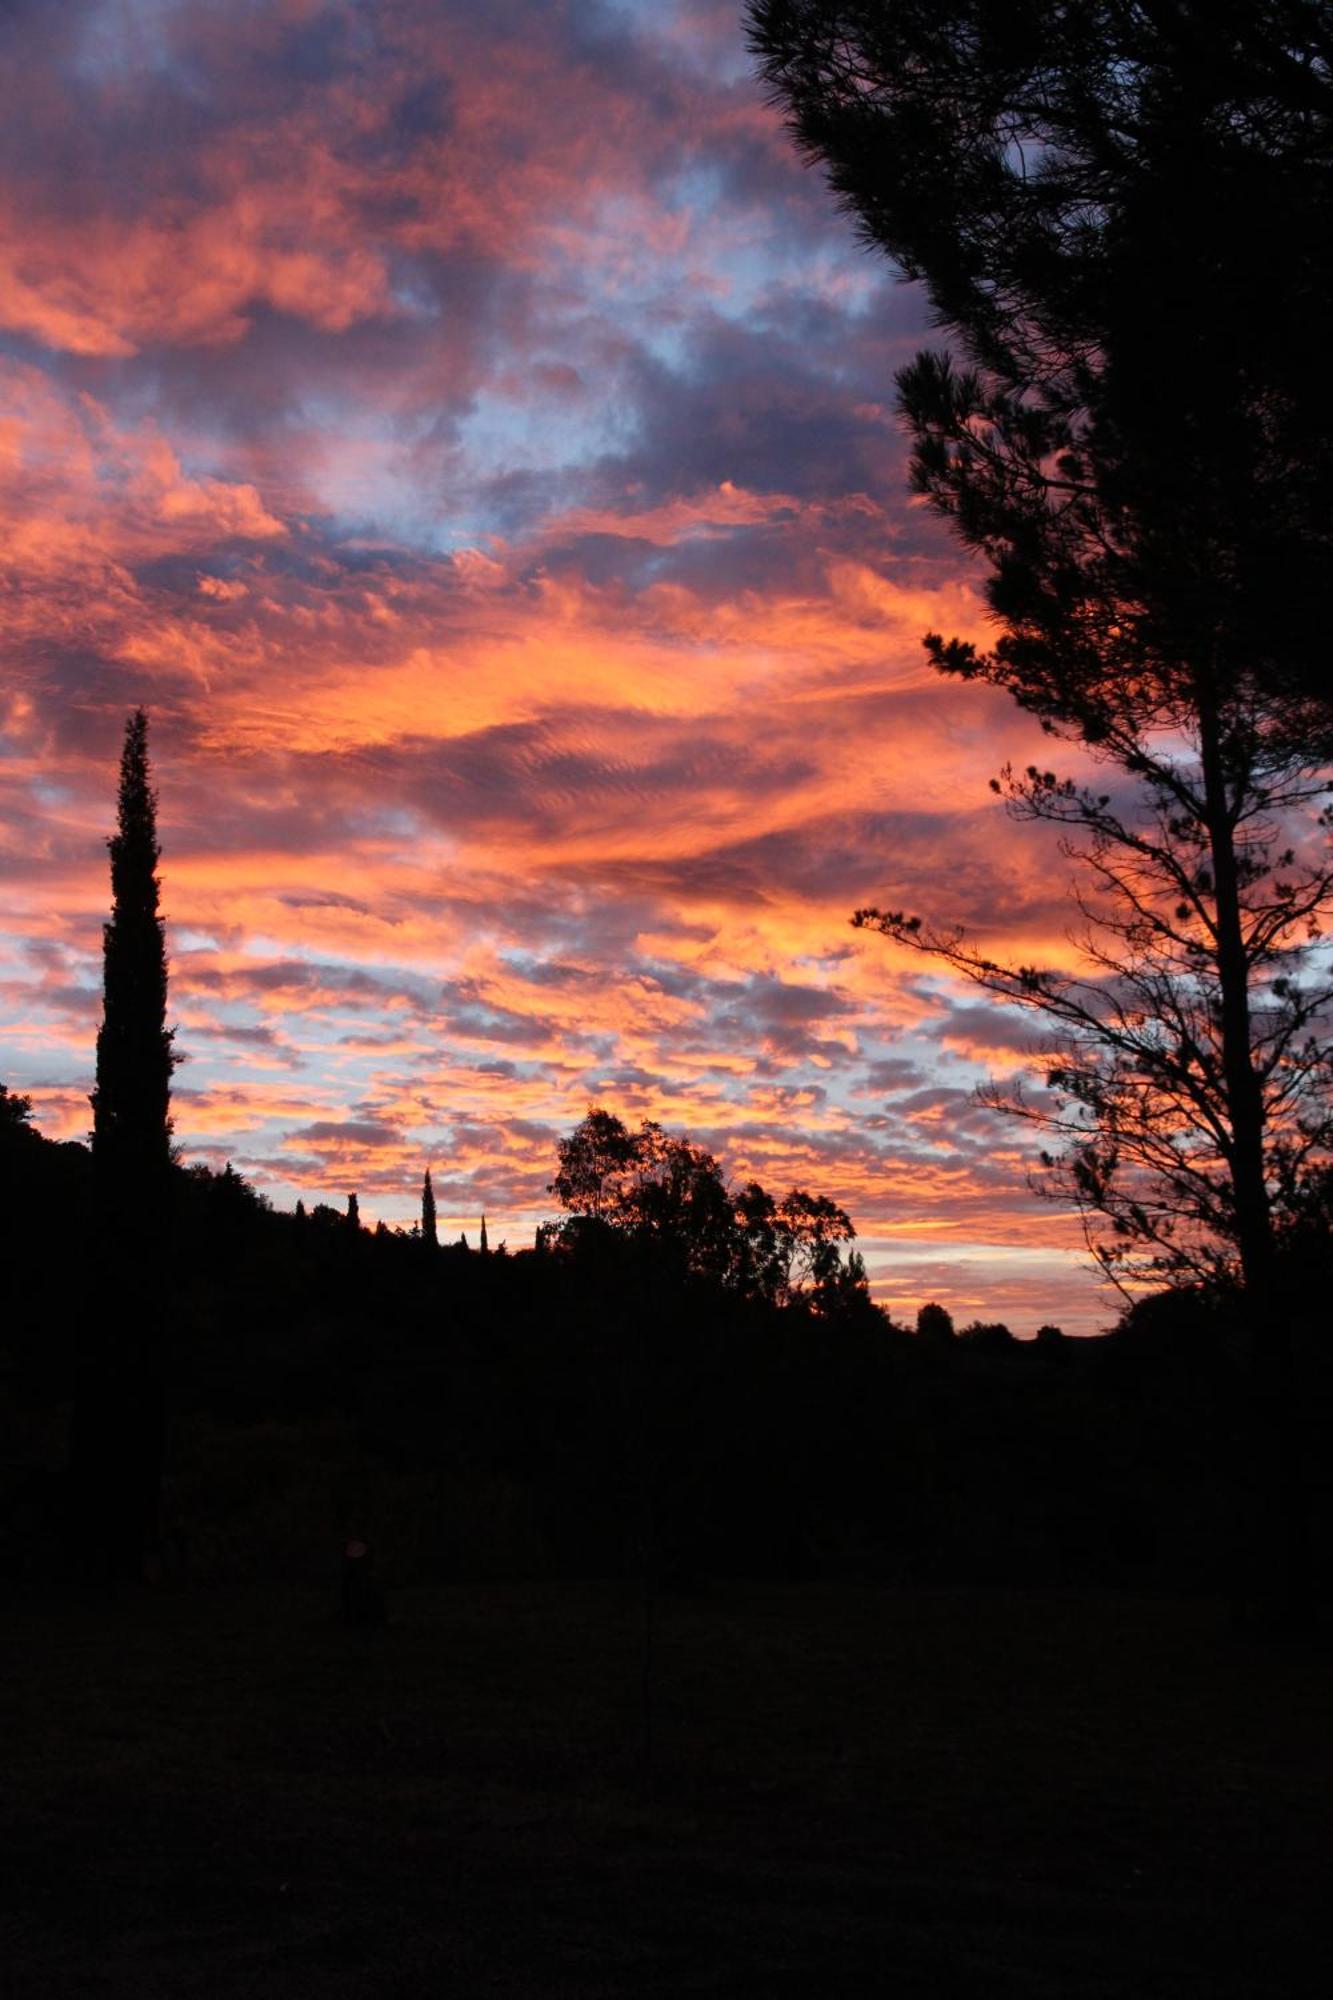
662, 1190
987, 1336
816, 1228
792, 1248
15, 1113
596, 1164
353, 1212
934, 1325
679, 1200
300, 1210
429, 1233
230, 1193
485, 1240
598, 1410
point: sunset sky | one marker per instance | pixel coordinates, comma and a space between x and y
468, 431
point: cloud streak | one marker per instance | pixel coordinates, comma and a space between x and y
468, 434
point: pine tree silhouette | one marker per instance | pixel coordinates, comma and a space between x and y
131, 1121
428, 1229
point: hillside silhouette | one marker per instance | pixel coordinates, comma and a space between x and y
596, 1408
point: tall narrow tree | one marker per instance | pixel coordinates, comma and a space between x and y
429, 1233
131, 1103
117, 1427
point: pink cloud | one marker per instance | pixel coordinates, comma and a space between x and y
500, 516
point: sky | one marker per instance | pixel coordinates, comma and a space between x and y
469, 433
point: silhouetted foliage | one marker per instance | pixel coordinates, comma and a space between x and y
685, 1379
1053, 175
15, 1116
1145, 461
597, 1408
987, 1336
664, 1191
117, 1422
131, 1121
1124, 218
429, 1233
934, 1325
597, 1164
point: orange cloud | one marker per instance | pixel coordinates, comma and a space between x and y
500, 515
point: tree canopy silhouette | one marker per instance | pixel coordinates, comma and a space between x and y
934, 1325
662, 1190
15, 1114
1123, 216
1139, 495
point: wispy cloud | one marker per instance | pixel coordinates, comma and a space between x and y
468, 431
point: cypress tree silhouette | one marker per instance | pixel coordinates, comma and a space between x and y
429, 1233
117, 1426
485, 1242
353, 1212
131, 1122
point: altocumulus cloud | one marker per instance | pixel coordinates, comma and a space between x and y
467, 431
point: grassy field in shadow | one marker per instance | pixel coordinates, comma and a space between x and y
844, 1791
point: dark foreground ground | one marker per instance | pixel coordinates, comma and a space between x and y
850, 1792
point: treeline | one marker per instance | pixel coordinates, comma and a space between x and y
602, 1407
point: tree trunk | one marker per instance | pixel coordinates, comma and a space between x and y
117, 1426
1278, 1569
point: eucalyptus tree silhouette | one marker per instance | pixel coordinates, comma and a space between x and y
666, 1193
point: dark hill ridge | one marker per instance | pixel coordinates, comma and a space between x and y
592, 1409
